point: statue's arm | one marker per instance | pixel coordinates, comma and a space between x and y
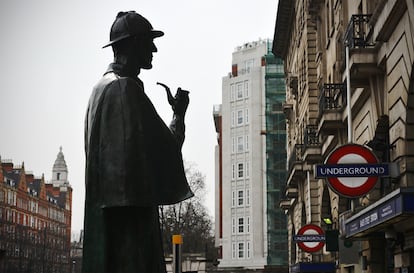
177, 127
179, 104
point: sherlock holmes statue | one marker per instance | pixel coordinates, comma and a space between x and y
133, 160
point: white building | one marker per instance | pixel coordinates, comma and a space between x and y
241, 172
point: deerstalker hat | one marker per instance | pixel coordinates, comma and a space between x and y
128, 24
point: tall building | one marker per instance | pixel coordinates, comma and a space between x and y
350, 74
251, 160
35, 219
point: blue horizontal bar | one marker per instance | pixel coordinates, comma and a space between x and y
351, 170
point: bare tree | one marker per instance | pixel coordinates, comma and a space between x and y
190, 219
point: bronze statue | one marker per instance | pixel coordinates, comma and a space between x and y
133, 160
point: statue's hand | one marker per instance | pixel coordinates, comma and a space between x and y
181, 102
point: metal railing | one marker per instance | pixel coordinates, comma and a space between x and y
311, 138
332, 97
358, 32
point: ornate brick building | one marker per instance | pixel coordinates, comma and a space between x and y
349, 68
35, 219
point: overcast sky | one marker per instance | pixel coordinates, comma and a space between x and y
51, 57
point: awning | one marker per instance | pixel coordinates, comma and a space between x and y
313, 267
395, 207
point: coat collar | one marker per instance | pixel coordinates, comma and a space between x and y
122, 70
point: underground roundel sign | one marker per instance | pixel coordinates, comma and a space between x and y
351, 170
310, 238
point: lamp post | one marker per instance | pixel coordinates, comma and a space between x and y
177, 241
348, 93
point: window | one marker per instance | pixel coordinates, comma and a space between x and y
240, 170
240, 226
241, 250
233, 118
8, 215
249, 65
330, 18
58, 176
247, 142
233, 226
239, 117
233, 144
232, 91
10, 182
233, 250
247, 169
240, 144
233, 199
240, 198
233, 171
239, 90
247, 116
11, 198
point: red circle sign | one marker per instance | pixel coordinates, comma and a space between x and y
311, 230
352, 154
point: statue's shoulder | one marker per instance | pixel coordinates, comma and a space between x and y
116, 81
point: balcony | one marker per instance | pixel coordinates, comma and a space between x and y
285, 204
295, 165
312, 145
292, 193
358, 33
332, 102
362, 51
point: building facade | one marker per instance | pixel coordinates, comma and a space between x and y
250, 161
350, 79
35, 219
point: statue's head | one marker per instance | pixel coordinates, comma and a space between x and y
133, 35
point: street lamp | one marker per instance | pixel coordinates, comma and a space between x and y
327, 220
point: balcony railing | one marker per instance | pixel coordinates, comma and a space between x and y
285, 204
291, 193
311, 136
311, 144
358, 31
332, 97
